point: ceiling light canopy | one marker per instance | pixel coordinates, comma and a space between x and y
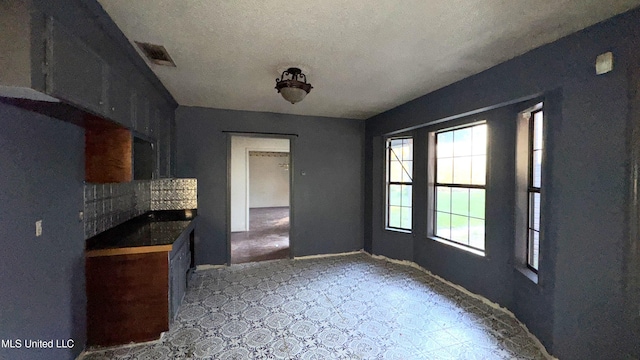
293, 85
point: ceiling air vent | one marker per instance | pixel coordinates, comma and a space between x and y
157, 54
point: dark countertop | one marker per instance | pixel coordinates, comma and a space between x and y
150, 229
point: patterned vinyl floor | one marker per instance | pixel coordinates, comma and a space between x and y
344, 307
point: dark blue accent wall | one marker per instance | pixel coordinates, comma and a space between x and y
328, 202
578, 309
42, 291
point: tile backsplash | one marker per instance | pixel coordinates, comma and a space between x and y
108, 205
174, 194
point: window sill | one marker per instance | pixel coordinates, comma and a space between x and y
399, 230
458, 246
528, 273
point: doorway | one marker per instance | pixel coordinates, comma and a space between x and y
260, 198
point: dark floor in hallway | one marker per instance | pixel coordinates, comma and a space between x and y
267, 238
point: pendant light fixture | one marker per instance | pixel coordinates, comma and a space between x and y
293, 85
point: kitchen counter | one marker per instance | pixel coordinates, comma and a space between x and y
151, 232
136, 277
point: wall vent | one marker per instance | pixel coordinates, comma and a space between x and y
157, 54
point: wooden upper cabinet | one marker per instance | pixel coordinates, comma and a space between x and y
119, 99
62, 66
142, 114
48, 62
164, 144
74, 72
22, 45
108, 150
154, 120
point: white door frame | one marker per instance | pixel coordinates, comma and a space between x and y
292, 203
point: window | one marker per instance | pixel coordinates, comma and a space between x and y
460, 177
399, 183
528, 201
535, 182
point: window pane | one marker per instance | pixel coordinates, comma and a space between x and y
535, 211
406, 195
462, 170
443, 199
476, 233
479, 140
394, 216
405, 221
476, 203
396, 144
537, 130
462, 142
445, 144
407, 149
445, 171
537, 168
443, 225
395, 192
460, 229
460, 201
478, 170
407, 171
395, 171
534, 248
395, 153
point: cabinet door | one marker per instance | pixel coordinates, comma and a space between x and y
74, 72
153, 133
119, 99
142, 114
173, 154
178, 280
164, 145
174, 288
183, 280
154, 116
185, 266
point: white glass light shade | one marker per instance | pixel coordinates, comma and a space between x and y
292, 94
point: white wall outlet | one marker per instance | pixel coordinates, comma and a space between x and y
39, 228
81, 215
604, 63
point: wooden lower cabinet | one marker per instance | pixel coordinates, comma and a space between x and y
134, 297
127, 298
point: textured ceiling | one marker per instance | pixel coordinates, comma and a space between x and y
362, 57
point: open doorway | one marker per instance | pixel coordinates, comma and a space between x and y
260, 179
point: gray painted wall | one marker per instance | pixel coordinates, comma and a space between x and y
578, 309
328, 200
42, 292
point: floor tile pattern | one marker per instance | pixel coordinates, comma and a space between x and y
345, 307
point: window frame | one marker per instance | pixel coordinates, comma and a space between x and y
523, 178
388, 182
531, 189
434, 184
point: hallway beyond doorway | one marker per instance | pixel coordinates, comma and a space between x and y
267, 238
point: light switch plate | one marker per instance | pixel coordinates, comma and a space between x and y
38, 228
604, 63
